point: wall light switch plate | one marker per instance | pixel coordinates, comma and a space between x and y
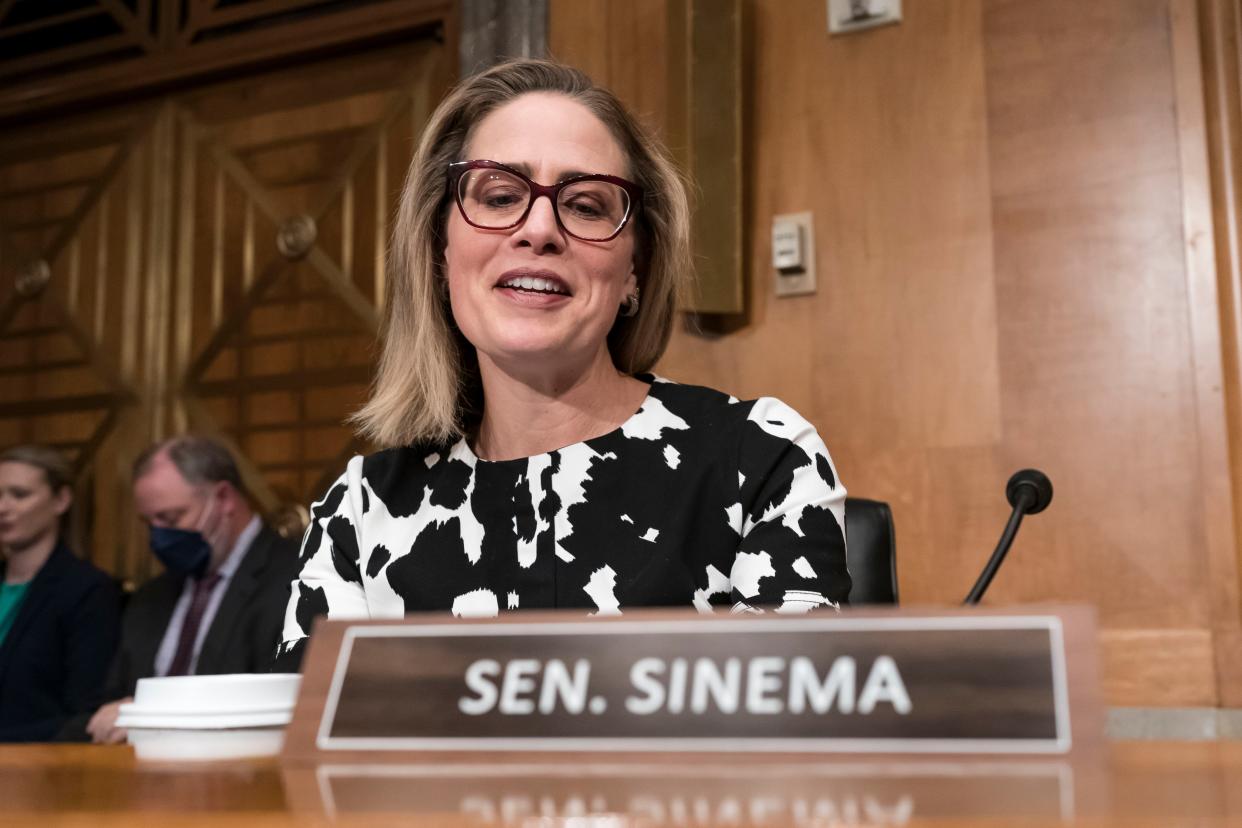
845, 16
793, 254
788, 249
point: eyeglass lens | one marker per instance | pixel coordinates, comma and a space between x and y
497, 199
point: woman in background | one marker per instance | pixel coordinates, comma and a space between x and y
539, 254
58, 614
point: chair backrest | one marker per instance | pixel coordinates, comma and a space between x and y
871, 552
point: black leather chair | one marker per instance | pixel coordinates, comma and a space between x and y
871, 553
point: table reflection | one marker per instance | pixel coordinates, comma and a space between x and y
694, 793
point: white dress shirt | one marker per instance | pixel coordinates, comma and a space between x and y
168, 646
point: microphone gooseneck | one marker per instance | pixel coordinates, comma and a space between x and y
1029, 492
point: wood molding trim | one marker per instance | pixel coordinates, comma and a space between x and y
1228, 646
1216, 59
212, 58
1158, 668
1171, 668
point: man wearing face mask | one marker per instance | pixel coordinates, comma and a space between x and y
219, 605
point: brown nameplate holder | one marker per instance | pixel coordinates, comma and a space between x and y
992, 682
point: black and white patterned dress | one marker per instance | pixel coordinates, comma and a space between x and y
698, 500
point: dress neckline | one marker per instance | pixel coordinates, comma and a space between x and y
461, 450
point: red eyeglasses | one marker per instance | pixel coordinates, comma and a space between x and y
492, 196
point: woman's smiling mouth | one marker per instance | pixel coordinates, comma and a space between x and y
533, 282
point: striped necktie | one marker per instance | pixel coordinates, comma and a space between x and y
193, 620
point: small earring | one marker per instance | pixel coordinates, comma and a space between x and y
630, 306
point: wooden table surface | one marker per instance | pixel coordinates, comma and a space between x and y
1136, 783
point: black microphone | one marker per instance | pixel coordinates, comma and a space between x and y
1029, 492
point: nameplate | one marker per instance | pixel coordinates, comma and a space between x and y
956, 682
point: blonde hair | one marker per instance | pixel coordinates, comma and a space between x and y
427, 387
56, 468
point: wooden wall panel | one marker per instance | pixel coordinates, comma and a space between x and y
1096, 354
1210, 329
280, 346
170, 304
626, 43
1007, 200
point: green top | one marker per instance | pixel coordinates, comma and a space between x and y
11, 596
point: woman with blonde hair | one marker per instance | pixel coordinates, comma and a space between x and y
539, 253
59, 615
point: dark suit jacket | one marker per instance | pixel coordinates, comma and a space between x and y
244, 632
55, 658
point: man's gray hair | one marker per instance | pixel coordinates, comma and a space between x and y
200, 460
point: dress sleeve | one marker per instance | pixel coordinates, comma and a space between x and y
329, 582
791, 556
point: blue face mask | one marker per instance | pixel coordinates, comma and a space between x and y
183, 551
